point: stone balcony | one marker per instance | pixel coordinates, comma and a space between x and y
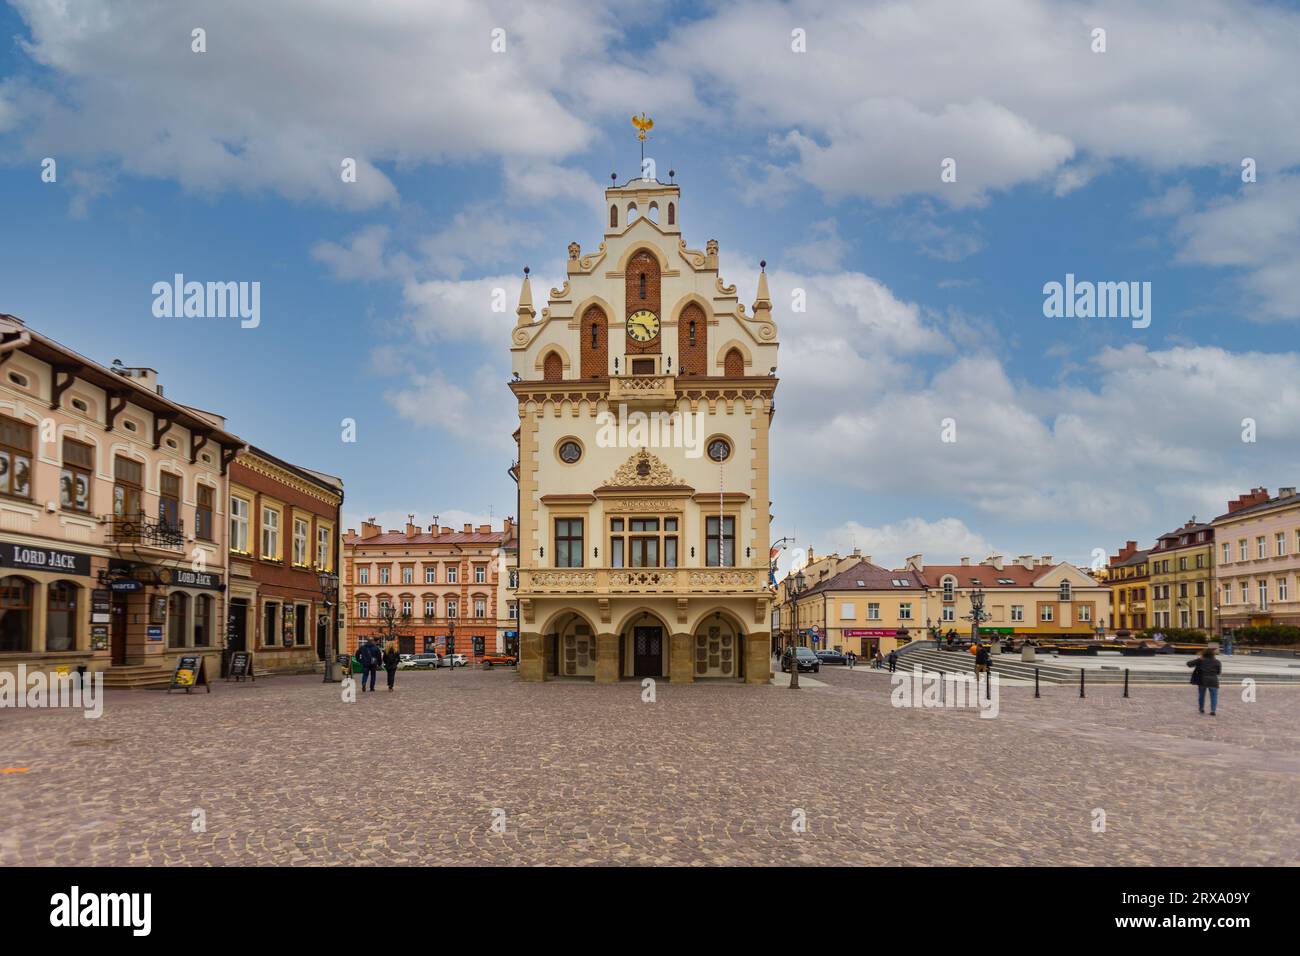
643, 389
617, 581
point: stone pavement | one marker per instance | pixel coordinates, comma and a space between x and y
286, 773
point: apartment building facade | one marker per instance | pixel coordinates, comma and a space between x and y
1257, 571
1128, 577
860, 607
112, 516
426, 589
1181, 579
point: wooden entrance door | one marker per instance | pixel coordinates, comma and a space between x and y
647, 650
117, 629
238, 632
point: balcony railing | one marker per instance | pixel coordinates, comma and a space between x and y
140, 528
642, 581
642, 388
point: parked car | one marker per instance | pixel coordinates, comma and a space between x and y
832, 657
453, 660
493, 660
806, 659
418, 661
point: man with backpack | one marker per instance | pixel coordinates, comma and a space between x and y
368, 656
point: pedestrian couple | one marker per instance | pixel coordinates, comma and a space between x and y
1206, 668
371, 659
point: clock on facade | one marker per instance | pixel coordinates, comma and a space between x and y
643, 325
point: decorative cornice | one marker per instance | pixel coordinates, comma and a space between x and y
644, 470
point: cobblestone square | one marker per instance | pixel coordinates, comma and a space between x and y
285, 773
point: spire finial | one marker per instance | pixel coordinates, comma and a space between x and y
762, 265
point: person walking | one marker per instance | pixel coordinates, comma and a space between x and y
879, 659
893, 660
852, 658
1206, 668
369, 657
391, 659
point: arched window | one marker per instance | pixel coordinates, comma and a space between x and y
613, 217
692, 341
672, 214
595, 357
61, 616
631, 212
643, 285
734, 364
15, 614
553, 368
202, 621
177, 613
652, 213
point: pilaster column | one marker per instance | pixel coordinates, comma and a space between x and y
681, 659
532, 657
758, 657
607, 671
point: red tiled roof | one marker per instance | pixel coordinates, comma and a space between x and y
390, 538
988, 576
872, 576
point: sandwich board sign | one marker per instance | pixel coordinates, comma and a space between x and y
241, 666
190, 673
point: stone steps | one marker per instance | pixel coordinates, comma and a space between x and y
136, 677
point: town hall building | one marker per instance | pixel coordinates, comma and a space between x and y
645, 394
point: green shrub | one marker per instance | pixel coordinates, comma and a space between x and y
1176, 635
1268, 634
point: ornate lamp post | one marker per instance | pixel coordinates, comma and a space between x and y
796, 584
329, 588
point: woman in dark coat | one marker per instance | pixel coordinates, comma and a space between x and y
391, 660
1206, 668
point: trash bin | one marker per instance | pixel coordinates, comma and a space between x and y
1027, 652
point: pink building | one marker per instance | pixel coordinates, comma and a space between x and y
1257, 566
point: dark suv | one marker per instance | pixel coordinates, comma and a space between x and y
808, 661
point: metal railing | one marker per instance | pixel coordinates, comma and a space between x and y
140, 528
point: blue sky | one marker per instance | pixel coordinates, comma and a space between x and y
924, 298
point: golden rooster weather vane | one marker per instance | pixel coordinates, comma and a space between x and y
643, 125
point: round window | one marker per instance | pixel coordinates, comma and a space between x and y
570, 451
719, 449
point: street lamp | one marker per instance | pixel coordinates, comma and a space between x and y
329, 588
795, 585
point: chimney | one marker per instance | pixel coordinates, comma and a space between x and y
866, 558
411, 528
445, 530
485, 529
915, 562
1025, 560
469, 529
1045, 561
506, 527
965, 562
995, 560
1257, 496
369, 529
1286, 492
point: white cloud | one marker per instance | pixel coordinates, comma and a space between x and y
481, 412
944, 540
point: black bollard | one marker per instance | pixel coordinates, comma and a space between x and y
1081, 673
1036, 694
1126, 682
941, 690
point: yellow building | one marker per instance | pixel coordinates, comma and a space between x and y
645, 393
1182, 578
860, 608
1028, 597
1128, 576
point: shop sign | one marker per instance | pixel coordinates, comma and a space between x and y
43, 559
125, 584
185, 578
870, 632
154, 632
99, 637
101, 602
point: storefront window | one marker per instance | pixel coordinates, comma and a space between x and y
270, 614
177, 611
15, 614
202, 620
61, 617
300, 625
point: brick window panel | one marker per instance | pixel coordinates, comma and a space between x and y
595, 359
553, 368
643, 262
692, 359
733, 365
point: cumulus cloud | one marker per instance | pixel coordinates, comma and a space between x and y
944, 540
